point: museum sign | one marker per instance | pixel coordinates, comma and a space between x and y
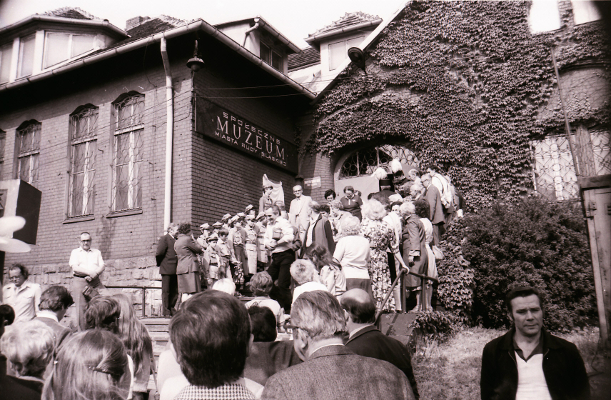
239, 133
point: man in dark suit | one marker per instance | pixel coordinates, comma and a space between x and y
318, 231
53, 305
167, 262
367, 340
330, 370
433, 196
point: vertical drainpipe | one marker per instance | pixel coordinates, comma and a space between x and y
167, 203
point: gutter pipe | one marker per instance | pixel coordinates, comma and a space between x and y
172, 33
255, 26
167, 203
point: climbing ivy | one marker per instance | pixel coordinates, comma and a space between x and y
461, 84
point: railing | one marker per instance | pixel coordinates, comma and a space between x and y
143, 288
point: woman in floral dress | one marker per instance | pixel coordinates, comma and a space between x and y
382, 239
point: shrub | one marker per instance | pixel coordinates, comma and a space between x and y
534, 242
436, 325
456, 277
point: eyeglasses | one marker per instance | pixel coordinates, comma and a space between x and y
86, 241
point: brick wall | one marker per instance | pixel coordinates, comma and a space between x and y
127, 242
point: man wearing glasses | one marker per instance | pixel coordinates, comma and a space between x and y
21, 294
87, 265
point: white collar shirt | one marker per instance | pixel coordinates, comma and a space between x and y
88, 262
24, 299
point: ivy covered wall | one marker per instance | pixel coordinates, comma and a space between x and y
466, 85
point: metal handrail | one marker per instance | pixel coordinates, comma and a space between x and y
143, 288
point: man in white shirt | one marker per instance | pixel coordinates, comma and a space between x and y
21, 294
528, 363
299, 212
278, 238
87, 265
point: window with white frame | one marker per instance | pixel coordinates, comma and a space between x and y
60, 46
28, 142
6, 55
127, 160
338, 51
25, 63
366, 161
83, 150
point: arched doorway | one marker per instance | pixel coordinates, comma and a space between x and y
355, 169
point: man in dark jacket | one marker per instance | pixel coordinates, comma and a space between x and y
318, 231
167, 261
528, 362
367, 340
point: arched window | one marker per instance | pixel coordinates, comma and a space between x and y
365, 161
128, 145
83, 149
28, 143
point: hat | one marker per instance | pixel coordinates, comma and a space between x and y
226, 217
248, 208
240, 215
217, 225
214, 236
260, 216
204, 227
233, 219
249, 217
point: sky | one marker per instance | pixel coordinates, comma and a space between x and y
293, 18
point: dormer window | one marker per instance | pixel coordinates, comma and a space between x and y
271, 57
61, 46
338, 51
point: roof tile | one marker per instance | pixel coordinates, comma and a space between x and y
347, 20
305, 58
70, 12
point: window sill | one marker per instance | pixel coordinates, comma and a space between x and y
125, 213
83, 218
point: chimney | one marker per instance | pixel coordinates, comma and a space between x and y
134, 22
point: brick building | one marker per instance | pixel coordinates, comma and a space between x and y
84, 119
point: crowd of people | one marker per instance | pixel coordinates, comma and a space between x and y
316, 277
352, 242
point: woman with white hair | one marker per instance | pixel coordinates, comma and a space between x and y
28, 347
352, 253
381, 240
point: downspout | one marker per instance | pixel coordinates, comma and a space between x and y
167, 203
255, 26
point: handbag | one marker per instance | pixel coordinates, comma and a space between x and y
90, 292
437, 252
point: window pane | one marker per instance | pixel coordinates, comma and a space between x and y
77, 195
122, 149
84, 124
29, 138
26, 56
276, 61
56, 48
81, 44
121, 187
130, 112
24, 169
34, 169
349, 168
137, 145
6, 55
554, 172
78, 157
337, 54
265, 53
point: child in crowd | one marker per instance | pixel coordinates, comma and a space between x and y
261, 285
228, 261
331, 274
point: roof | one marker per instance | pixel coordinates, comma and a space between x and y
144, 37
265, 26
305, 58
347, 23
150, 27
70, 12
